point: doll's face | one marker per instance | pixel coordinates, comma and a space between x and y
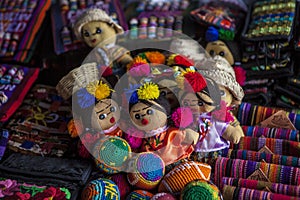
170, 92
220, 48
226, 95
147, 118
196, 104
107, 113
95, 32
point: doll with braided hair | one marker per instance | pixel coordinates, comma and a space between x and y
202, 95
148, 111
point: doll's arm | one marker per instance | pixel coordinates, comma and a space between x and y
191, 136
233, 132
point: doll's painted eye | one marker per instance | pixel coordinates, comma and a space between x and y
185, 103
98, 30
163, 93
86, 34
102, 116
137, 116
113, 109
222, 92
212, 53
150, 112
200, 103
222, 53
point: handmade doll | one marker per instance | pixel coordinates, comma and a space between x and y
231, 93
202, 95
219, 44
98, 112
148, 111
98, 31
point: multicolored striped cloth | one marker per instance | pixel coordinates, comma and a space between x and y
277, 146
290, 190
277, 133
237, 168
268, 157
251, 115
25, 51
240, 193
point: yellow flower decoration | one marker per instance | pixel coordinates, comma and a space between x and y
99, 89
155, 57
148, 91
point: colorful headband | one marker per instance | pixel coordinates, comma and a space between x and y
213, 34
97, 89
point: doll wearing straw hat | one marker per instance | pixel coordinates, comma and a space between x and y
99, 32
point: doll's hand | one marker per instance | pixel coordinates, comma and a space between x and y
191, 136
233, 134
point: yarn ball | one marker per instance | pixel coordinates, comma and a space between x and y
194, 82
147, 169
111, 154
182, 117
121, 181
198, 190
211, 34
174, 181
101, 189
134, 137
139, 195
163, 196
182, 60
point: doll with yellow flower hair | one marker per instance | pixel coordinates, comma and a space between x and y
98, 111
148, 111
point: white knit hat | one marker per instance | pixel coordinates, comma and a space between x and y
94, 14
222, 72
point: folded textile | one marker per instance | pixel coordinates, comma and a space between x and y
57, 172
237, 168
291, 190
277, 146
231, 192
250, 115
267, 157
277, 133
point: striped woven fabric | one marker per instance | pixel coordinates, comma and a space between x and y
251, 115
240, 193
268, 157
290, 190
277, 146
237, 168
277, 133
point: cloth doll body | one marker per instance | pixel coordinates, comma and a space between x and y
231, 93
202, 95
150, 115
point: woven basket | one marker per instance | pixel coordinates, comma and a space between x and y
76, 79
182, 174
